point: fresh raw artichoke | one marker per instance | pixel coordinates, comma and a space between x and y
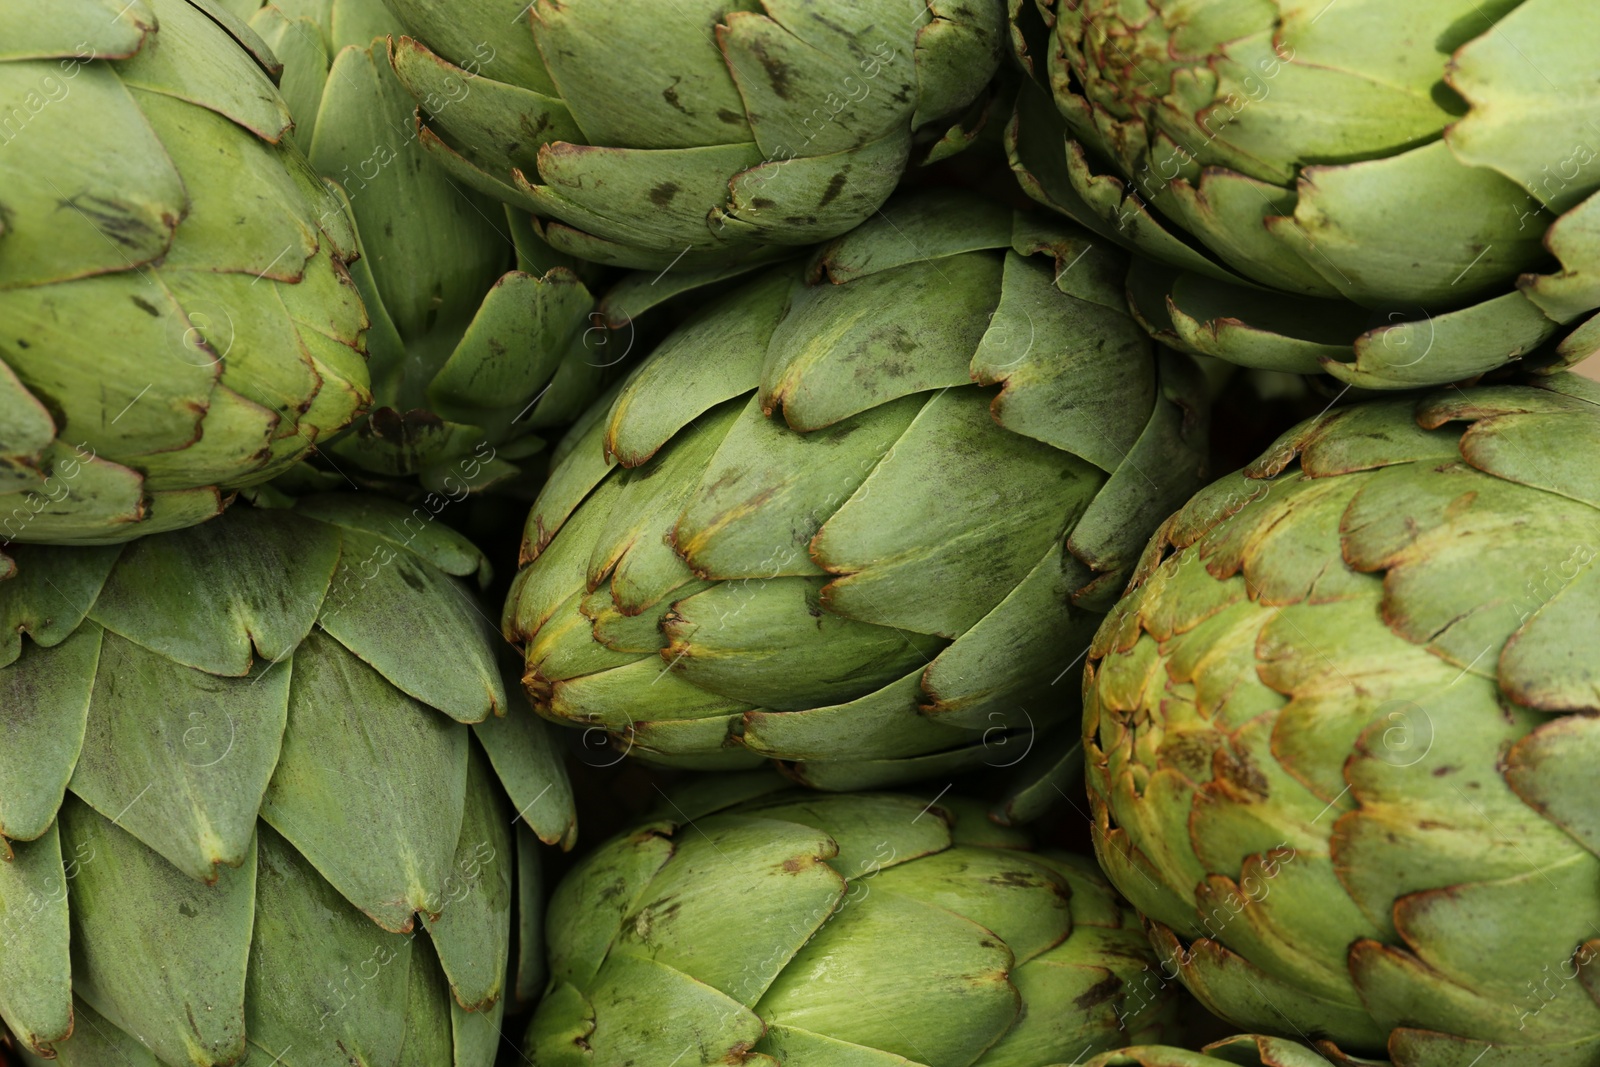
1245, 1050
229, 785
755, 924
1342, 734
470, 359
864, 517
693, 133
177, 320
1398, 194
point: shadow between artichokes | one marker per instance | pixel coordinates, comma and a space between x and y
160, 347
471, 360
754, 923
1341, 734
1396, 194
860, 519
230, 787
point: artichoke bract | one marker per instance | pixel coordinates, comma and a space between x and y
470, 358
697, 133
760, 925
178, 322
1398, 195
232, 796
1341, 736
861, 517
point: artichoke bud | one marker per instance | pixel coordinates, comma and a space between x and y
860, 517
161, 348
257, 819
1018, 956
1395, 195
1334, 732
699, 135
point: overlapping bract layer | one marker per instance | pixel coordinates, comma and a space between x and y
229, 786
696, 133
863, 520
1396, 194
1341, 736
470, 359
178, 322
756, 924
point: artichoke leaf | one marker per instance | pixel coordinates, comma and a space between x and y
475, 925
322, 978
44, 704
345, 720
883, 724
383, 596
134, 962
265, 573
769, 489
181, 758
783, 881
35, 964
762, 642
989, 503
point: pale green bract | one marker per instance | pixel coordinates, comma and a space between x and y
861, 517
1396, 194
241, 815
176, 321
696, 133
757, 924
1341, 736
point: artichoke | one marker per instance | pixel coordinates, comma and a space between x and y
1244, 1050
698, 133
230, 786
759, 925
1398, 194
1341, 736
178, 322
853, 518
470, 358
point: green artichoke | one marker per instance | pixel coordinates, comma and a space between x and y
1398, 194
1341, 736
230, 785
696, 133
756, 924
469, 358
178, 322
1245, 1050
880, 581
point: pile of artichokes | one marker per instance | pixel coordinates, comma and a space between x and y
593, 533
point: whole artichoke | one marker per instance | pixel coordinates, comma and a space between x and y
1244, 1050
864, 518
695, 133
470, 358
758, 925
1342, 734
178, 322
1398, 194
229, 787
